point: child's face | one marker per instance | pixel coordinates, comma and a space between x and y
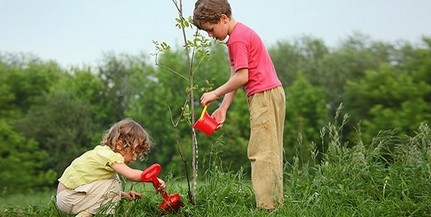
219, 30
130, 154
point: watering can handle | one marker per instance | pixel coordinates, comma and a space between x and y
150, 174
203, 112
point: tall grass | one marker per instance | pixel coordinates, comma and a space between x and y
389, 177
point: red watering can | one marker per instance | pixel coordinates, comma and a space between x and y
170, 203
206, 123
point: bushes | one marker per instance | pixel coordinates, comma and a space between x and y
351, 180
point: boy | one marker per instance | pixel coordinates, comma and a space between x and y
252, 68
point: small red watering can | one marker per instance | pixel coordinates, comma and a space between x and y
206, 123
170, 203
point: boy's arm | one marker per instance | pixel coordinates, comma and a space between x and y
238, 78
228, 89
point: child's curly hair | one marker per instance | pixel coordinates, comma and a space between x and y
132, 134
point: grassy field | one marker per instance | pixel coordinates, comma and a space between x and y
350, 181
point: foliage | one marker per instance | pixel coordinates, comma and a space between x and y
351, 181
158, 102
63, 127
115, 74
21, 163
62, 112
305, 113
386, 99
23, 78
303, 55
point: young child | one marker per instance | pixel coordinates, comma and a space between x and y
252, 68
91, 184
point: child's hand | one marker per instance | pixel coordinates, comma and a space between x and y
161, 187
131, 195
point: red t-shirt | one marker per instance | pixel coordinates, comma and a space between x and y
246, 50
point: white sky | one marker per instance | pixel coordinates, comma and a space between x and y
75, 32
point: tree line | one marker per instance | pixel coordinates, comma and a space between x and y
50, 114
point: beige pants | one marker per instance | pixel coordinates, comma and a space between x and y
100, 195
265, 148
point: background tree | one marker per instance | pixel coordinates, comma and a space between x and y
115, 73
158, 101
45, 109
25, 78
62, 126
387, 99
417, 62
348, 62
302, 54
305, 115
21, 163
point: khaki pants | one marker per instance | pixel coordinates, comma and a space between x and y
102, 194
265, 148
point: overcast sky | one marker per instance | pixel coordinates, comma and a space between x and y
75, 32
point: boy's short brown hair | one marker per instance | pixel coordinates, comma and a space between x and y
210, 11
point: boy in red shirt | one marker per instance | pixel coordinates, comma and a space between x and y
251, 68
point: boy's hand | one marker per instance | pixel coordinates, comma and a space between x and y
207, 98
219, 115
131, 195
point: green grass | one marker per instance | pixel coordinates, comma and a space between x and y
389, 177
22, 200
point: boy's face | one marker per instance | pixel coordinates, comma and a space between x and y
219, 30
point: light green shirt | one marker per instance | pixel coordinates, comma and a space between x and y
91, 166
